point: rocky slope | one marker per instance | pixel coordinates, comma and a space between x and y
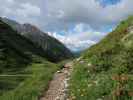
24, 69
53, 49
15, 48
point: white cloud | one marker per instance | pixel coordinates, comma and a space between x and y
28, 10
24, 12
82, 40
88, 12
74, 43
82, 21
79, 28
10, 1
63, 13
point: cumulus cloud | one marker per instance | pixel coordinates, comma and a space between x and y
21, 12
63, 13
84, 37
81, 22
89, 12
28, 10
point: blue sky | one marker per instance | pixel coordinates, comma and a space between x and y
76, 23
108, 2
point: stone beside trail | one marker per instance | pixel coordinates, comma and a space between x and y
59, 85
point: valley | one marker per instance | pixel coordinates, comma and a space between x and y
35, 66
58, 87
105, 71
25, 69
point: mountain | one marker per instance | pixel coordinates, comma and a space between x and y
15, 50
53, 49
24, 68
115, 45
105, 70
112, 39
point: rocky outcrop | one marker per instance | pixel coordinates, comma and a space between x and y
53, 49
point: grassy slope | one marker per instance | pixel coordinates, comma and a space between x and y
53, 49
36, 81
20, 57
105, 70
15, 54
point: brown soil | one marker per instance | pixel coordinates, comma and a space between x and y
58, 87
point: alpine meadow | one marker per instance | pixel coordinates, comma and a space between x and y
66, 50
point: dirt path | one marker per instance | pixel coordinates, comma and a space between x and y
58, 86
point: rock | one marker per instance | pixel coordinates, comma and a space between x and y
58, 88
78, 59
89, 85
82, 61
57, 98
130, 29
95, 82
89, 64
58, 71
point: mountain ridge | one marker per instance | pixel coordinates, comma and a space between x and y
52, 47
24, 67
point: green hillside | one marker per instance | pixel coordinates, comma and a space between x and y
15, 50
53, 49
24, 70
105, 71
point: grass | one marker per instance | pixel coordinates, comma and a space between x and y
85, 84
24, 67
35, 82
105, 71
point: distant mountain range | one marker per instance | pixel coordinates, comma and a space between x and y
51, 48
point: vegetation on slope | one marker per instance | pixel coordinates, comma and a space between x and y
24, 72
104, 72
53, 49
36, 79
